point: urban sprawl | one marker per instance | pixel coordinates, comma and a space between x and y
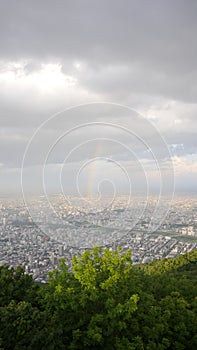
36, 234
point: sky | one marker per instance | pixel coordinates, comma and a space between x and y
98, 96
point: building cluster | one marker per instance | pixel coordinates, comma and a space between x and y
37, 239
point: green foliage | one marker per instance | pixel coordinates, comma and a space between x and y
15, 284
104, 303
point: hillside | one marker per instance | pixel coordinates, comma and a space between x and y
105, 303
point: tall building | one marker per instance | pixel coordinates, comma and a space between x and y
52, 258
61, 250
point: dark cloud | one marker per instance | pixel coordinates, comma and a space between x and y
156, 35
139, 53
132, 46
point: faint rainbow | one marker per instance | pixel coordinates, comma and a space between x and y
92, 171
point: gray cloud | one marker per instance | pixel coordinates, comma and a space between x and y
134, 46
139, 53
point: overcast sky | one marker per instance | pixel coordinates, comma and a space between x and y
56, 55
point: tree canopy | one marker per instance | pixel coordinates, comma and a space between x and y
104, 302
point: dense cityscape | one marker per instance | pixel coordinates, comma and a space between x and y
37, 240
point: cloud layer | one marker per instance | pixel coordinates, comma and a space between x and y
55, 55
